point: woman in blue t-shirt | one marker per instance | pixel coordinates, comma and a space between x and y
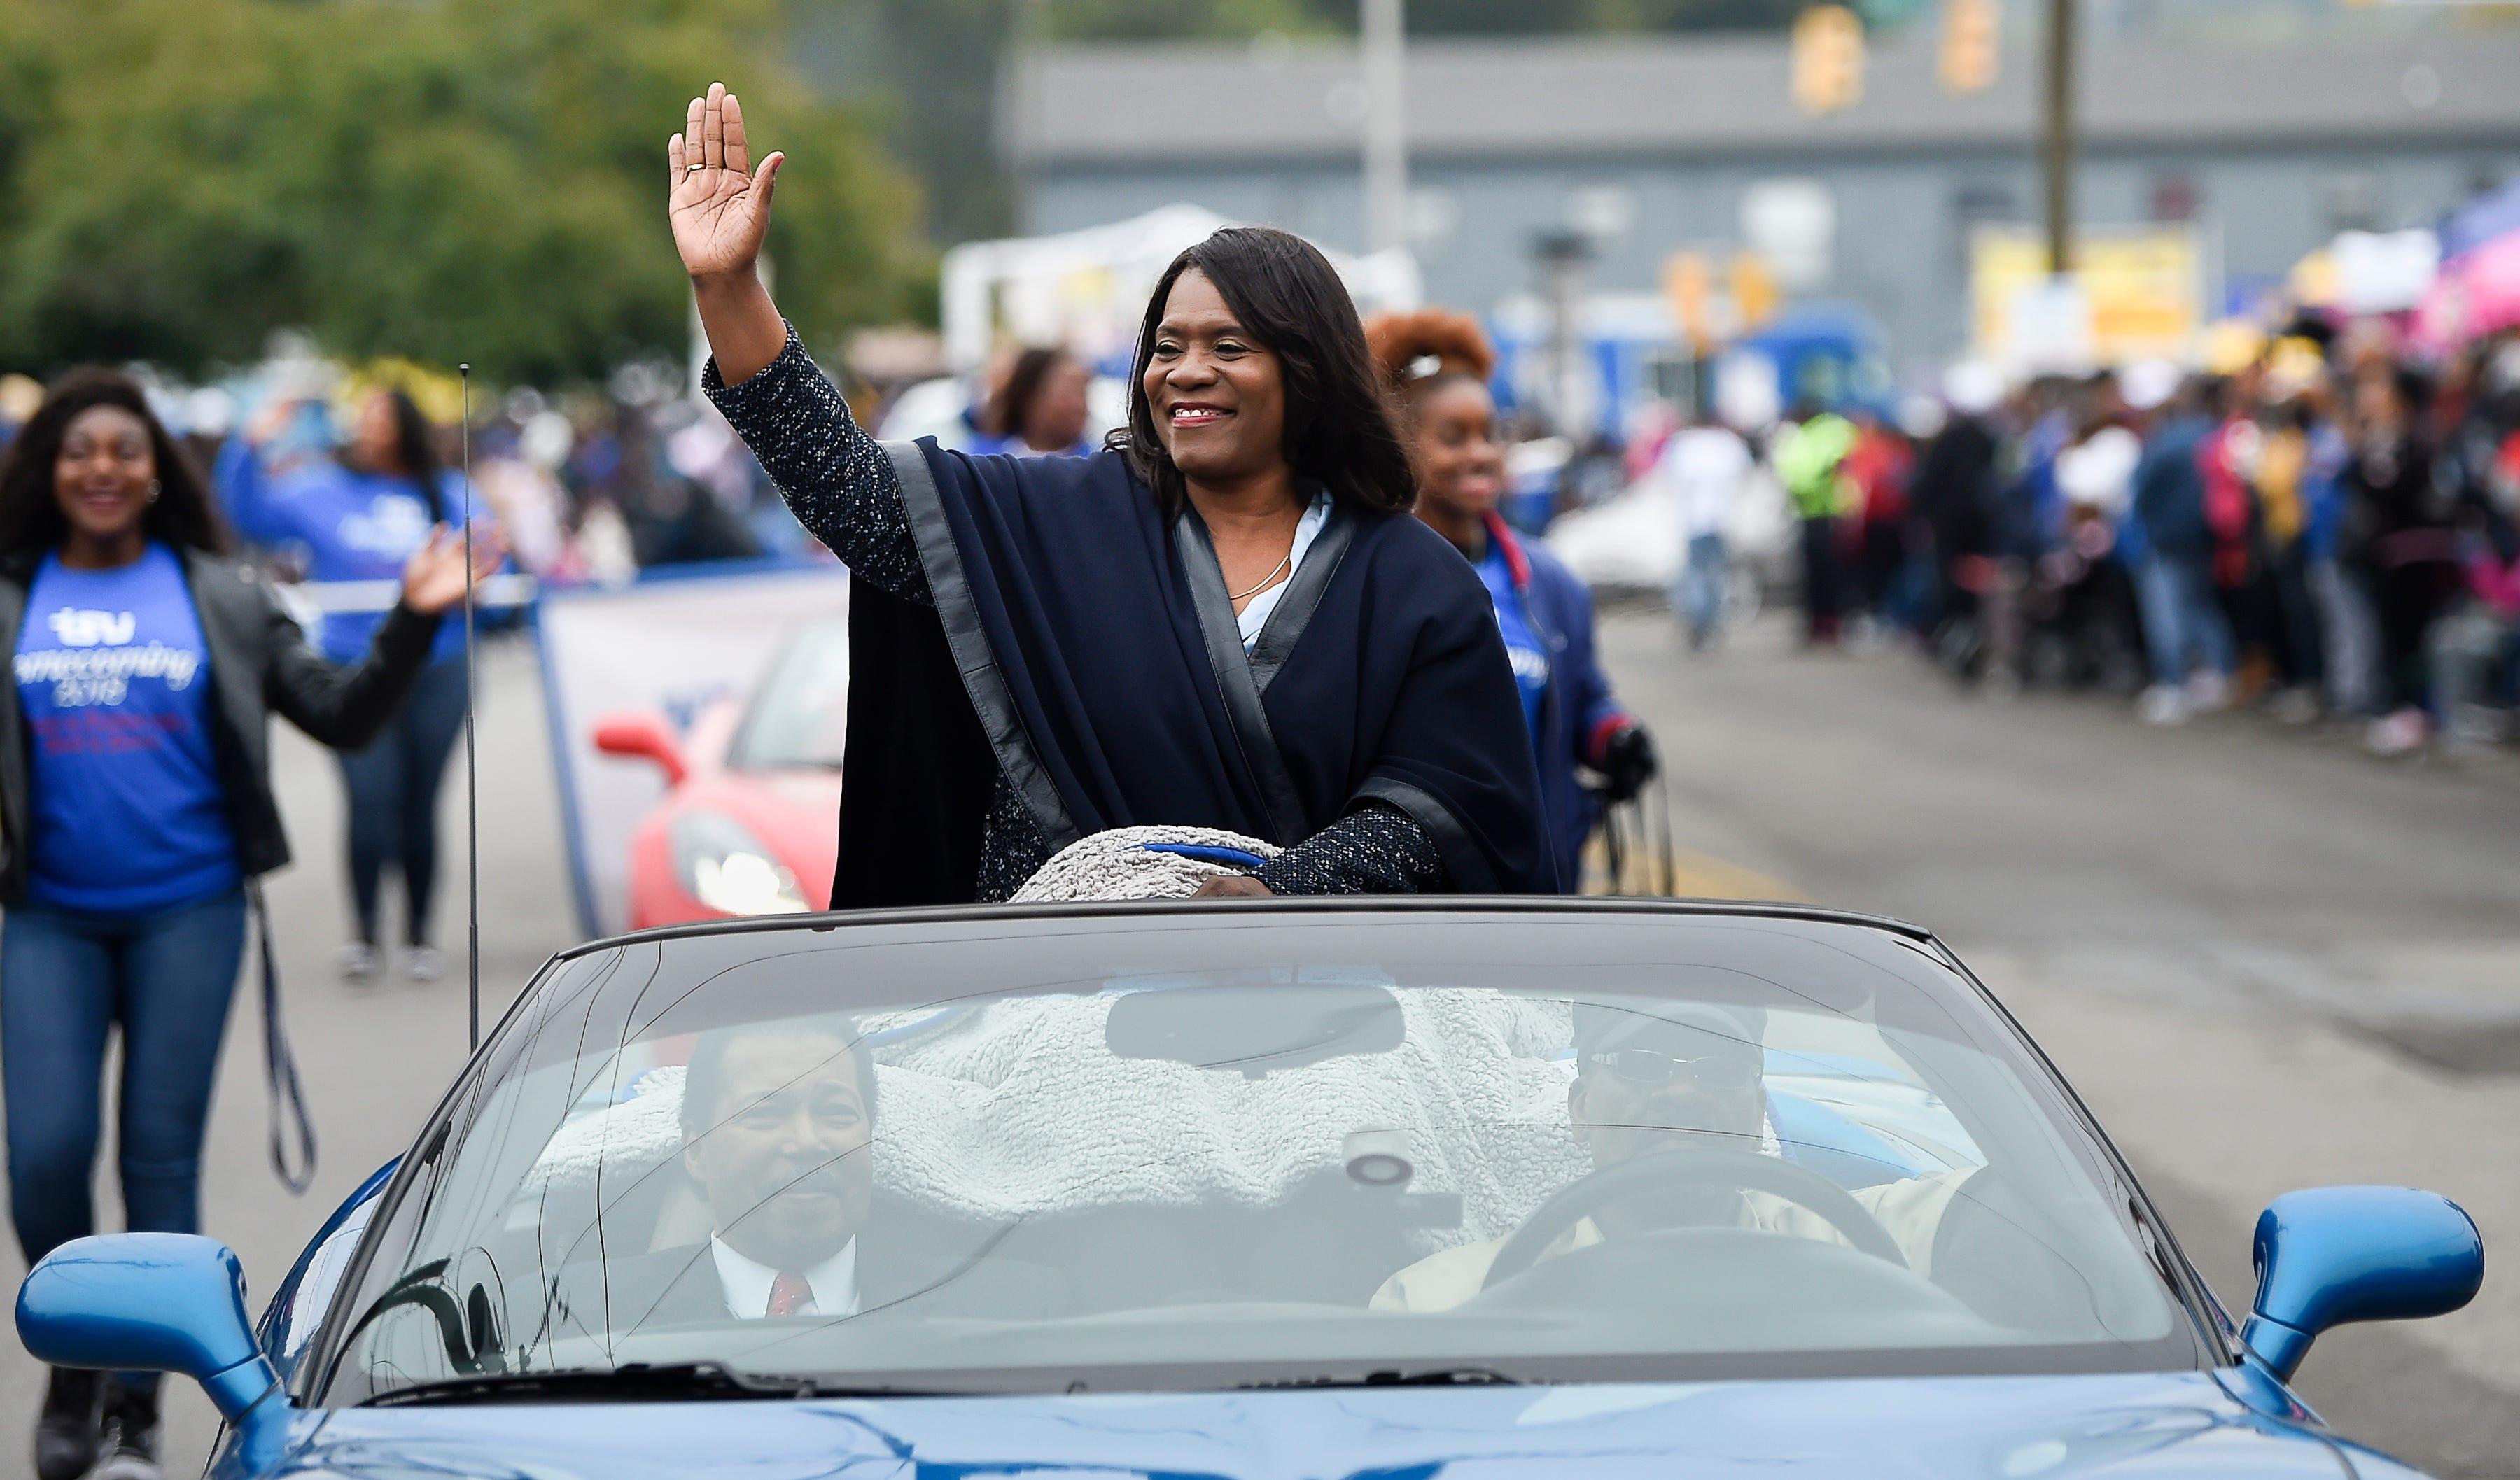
135, 811
1437, 364
358, 519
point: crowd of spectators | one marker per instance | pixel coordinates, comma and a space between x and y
591, 487
2333, 530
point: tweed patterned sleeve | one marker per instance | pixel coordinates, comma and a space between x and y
835, 478
1012, 847
1376, 849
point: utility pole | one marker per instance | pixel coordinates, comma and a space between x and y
1386, 126
2059, 150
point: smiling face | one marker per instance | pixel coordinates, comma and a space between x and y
1461, 465
782, 1157
1218, 395
103, 476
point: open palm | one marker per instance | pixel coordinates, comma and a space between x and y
435, 578
720, 205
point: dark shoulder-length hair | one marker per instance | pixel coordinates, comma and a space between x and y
30, 512
416, 444
1012, 406
1287, 295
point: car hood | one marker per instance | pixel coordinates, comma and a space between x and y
2003, 1428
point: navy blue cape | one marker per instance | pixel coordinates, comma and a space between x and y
1086, 647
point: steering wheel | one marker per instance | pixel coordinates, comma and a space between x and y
1690, 1167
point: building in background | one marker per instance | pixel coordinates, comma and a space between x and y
2265, 141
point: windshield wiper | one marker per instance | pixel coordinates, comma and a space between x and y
631, 1382
1434, 1376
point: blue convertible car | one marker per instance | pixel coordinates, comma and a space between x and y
1261, 1189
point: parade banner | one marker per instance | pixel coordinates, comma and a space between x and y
674, 643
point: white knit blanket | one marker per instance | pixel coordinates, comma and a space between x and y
1019, 1108
1117, 864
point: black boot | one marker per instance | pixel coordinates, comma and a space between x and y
65, 1430
127, 1443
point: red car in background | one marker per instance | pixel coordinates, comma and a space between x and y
749, 823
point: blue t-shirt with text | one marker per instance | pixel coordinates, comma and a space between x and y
114, 679
349, 526
1522, 644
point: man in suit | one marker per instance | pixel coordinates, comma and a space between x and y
778, 1123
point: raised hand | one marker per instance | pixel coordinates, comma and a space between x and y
434, 579
719, 203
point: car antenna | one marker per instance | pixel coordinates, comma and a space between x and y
471, 762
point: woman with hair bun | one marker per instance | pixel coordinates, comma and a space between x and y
1437, 364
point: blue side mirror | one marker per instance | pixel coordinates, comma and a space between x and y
2328, 1256
148, 1302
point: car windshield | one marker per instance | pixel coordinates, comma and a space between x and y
1208, 1148
799, 714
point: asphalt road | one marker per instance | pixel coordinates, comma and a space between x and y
2264, 960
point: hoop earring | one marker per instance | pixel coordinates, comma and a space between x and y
155, 488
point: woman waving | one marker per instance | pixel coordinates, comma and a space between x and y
136, 810
1223, 619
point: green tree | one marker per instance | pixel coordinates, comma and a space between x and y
476, 180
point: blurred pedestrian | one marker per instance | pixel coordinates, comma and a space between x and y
361, 517
1437, 364
2283, 479
2475, 651
135, 816
1222, 620
1952, 496
1810, 457
2398, 533
2095, 605
1041, 408
2186, 632
2348, 630
1877, 470
1707, 464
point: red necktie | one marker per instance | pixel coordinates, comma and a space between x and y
789, 1294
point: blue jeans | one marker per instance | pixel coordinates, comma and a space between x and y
66, 978
2181, 620
1699, 594
392, 786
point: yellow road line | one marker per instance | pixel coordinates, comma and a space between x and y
1692, 876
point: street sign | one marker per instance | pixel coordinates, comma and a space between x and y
2137, 294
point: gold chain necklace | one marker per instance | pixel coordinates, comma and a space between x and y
1271, 579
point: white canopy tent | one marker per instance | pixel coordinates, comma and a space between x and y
1087, 288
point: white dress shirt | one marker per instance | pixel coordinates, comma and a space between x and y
746, 1282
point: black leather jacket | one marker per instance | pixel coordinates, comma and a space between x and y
260, 662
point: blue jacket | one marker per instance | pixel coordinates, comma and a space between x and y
2170, 489
1577, 712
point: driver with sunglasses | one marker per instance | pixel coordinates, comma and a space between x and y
1657, 1076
